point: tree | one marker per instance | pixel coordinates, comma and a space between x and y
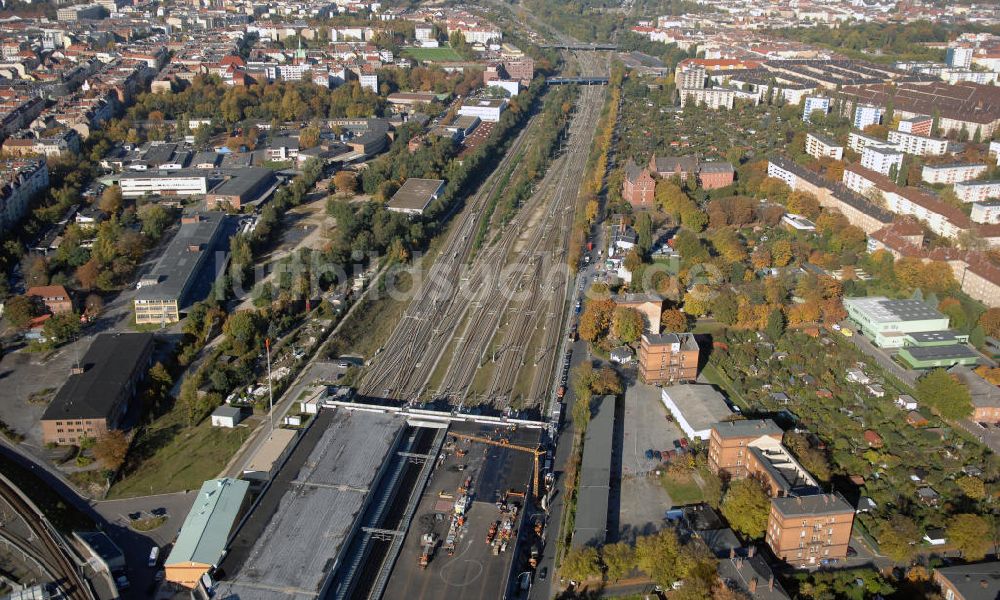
781, 253
628, 324
673, 321
658, 556
155, 219
596, 319
897, 536
969, 534
990, 322
581, 564
243, 327
111, 449
111, 200
973, 487
20, 310
619, 560
746, 507
62, 327
346, 182
945, 394
775, 325
93, 305
87, 274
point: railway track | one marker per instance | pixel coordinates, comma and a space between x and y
486, 314
71, 584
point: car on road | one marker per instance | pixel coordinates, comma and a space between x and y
542, 573
154, 555
122, 582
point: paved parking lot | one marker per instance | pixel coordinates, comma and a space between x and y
643, 500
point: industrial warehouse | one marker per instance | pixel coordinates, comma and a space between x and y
364, 503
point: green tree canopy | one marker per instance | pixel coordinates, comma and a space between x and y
944, 393
746, 507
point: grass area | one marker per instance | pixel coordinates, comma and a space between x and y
371, 323
149, 523
710, 327
714, 375
442, 54
169, 456
682, 492
64, 517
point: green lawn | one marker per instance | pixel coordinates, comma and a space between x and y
682, 493
442, 54
172, 457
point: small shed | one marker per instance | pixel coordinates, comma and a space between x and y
873, 438
935, 536
227, 416
621, 355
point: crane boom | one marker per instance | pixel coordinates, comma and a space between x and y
535, 452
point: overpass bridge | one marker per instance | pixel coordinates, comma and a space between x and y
577, 80
591, 47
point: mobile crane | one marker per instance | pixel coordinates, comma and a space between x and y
537, 454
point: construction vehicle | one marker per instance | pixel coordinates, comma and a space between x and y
427, 543
491, 533
536, 453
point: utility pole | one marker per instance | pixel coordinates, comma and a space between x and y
270, 387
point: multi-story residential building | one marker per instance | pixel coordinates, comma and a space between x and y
369, 81
809, 530
97, 395
959, 56
20, 181
80, 12
814, 103
55, 298
977, 191
711, 98
729, 443
964, 106
995, 151
668, 358
986, 212
173, 284
859, 141
918, 145
919, 125
951, 173
688, 76
64, 143
710, 174
821, 146
881, 159
977, 581
867, 114
638, 186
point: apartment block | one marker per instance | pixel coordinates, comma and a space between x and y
712, 98
977, 191
20, 181
918, 145
689, 76
881, 159
959, 56
814, 103
821, 146
919, 125
729, 443
668, 358
808, 531
859, 141
986, 212
867, 114
951, 173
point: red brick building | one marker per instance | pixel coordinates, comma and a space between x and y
710, 175
668, 358
54, 297
804, 531
639, 187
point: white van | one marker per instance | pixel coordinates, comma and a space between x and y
153, 555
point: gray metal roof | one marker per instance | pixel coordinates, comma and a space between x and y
700, 405
980, 581
180, 263
206, 528
941, 352
591, 523
819, 504
416, 194
884, 310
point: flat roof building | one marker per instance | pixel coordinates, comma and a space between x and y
696, 408
242, 187
810, 530
415, 195
886, 322
202, 540
97, 395
170, 287
591, 525
978, 581
668, 358
269, 456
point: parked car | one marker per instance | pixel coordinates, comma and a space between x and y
684, 443
677, 444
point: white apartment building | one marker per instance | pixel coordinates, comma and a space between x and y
977, 191
20, 181
690, 77
858, 141
986, 212
713, 98
995, 151
918, 145
773, 170
952, 173
959, 56
134, 185
821, 146
813, 103
881, 158
867, 114
369, 81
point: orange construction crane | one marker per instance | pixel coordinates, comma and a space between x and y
536, 453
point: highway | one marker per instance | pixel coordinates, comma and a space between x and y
478, 323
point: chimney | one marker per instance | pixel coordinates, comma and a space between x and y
753, 586
770, 583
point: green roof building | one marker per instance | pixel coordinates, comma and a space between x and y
887, 322
205, 534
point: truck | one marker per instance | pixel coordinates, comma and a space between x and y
533, 557
427, 543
